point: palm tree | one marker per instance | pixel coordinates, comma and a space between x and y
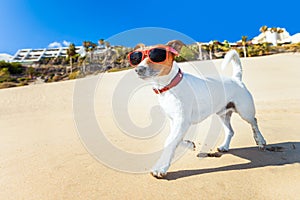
211, 48
107, 44
226, 44
263, 30
274, 32
92, 49
71, 52
89, 47
101, 42
279, 31
244, 41
200, 51
273, 29
30, 72
86, 45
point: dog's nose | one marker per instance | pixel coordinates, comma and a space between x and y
140, 70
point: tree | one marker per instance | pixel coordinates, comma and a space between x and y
279, 30
275, 32
12, 68
71, 52
93, 47
107, 44
30, 72
244, 41
101, 42
188, 54
89, 48
86, 45
200, 51
211, 48
263, 29
226, 44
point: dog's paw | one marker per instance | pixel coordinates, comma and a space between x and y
160, 170
262, 147
158, 174
222, 149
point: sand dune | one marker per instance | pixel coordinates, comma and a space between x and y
43, 157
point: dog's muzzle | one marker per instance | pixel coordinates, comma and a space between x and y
146, 72
141, 70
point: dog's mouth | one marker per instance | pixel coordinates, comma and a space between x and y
148, 74
144, 77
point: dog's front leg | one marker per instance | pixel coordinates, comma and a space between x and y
179, 127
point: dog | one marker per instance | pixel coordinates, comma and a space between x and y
187, 99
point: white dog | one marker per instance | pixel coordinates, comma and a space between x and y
187, 99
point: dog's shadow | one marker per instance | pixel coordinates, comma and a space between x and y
275, 155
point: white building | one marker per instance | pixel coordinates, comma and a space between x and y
295, 38
276, 38
35, 55
5, 57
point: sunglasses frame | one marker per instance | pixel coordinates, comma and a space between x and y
146, 52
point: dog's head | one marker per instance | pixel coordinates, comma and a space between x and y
153, 61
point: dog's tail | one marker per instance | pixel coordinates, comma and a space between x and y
233, 57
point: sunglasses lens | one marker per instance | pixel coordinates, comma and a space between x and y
135, 58
158, 55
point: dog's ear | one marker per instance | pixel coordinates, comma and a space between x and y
139, 46
176, 44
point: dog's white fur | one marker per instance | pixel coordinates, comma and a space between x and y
194, 99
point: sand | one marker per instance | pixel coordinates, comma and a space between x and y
43, 157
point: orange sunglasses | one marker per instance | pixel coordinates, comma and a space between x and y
156, 55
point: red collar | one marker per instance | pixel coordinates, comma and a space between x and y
173, 83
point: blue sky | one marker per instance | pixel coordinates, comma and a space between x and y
36, 23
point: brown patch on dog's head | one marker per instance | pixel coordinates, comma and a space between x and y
139, 46
176, 44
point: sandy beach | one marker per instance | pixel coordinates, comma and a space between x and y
43, 157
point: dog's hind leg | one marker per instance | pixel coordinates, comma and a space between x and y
247, 112
225, 118
259, 139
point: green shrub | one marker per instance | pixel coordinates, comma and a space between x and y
22, 79
13, 68
22, 84
56, 78
187, 54
7, 85
16, 68
74, 75
4, 72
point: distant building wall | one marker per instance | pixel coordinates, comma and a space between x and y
35, 55
5, 57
